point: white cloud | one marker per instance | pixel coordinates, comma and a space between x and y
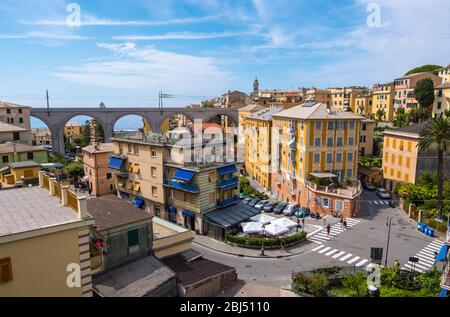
88, 20
43, 35
149, 68
181, 36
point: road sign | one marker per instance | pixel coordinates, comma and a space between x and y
376, 254
413, 259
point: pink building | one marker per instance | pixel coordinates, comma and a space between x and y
404, 89
99, 176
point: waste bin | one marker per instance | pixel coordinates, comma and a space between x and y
429, 231
421, 227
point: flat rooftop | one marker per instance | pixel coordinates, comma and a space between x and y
163, 229
31, 208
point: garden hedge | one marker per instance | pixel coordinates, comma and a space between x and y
268, 242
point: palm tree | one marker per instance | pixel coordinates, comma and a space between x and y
401, 118
380, 114
436, 136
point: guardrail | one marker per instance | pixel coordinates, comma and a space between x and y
346, 192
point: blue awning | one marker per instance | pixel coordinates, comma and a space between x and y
183, 175
188, 213
227, 170
115, 163
442, 254
140, 203
171, 210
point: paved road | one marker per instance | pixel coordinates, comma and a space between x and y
352, 245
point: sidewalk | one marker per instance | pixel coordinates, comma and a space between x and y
223, 247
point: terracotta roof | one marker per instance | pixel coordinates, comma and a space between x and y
417, 74
111, 211
6, 127
4, 104
9, 147
103, 147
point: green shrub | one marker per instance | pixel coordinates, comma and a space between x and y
430, 283
356, 284
268, 242
316, 285
401, 279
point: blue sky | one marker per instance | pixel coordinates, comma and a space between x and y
126, 51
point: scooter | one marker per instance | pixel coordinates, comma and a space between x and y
315, 215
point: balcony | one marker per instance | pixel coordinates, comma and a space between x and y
122, 174
192, 188
225, 184
349, 192
227, 202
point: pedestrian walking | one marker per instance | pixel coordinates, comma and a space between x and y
345, 224
328, 230
396, 264
342, 221
303, 223
283, 246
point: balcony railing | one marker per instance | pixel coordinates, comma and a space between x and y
350, 192
122, 174
192, 188
228, 183
227, 202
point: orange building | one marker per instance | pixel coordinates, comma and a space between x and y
98, 175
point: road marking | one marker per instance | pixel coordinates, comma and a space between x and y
356, 258
361, 263
324, 250
318, 248
346, 257
426, 256
332, 252
338, 255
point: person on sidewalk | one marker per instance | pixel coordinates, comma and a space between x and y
283, 246
345, 224
396, 265
328, 229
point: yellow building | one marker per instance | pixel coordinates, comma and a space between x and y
318, 95
139, 172
47, 255
402, 161
363, 104
258, 144
72, 130
345, 98
366, 137
26, 172
317, 144
444, 73
442, 99
383, 98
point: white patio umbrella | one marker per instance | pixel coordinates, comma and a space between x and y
252, 227
285, 222
262, 218
276, 230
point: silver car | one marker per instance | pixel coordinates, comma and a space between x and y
290, 210
261, 204
382, 193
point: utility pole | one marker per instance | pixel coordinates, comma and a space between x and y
388, 223
48, 102
163, 96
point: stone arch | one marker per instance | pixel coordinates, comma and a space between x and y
167, 116
137, 114
232, 119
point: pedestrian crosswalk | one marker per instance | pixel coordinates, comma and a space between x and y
426, 257
341, 256
322, 236
378, 202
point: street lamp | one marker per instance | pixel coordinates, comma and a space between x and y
388, 224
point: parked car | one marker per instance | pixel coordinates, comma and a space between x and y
290, 209
382, 193
303, 212
368, 186
246, 201
260, 205
269, 207
253, 202
278, 210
